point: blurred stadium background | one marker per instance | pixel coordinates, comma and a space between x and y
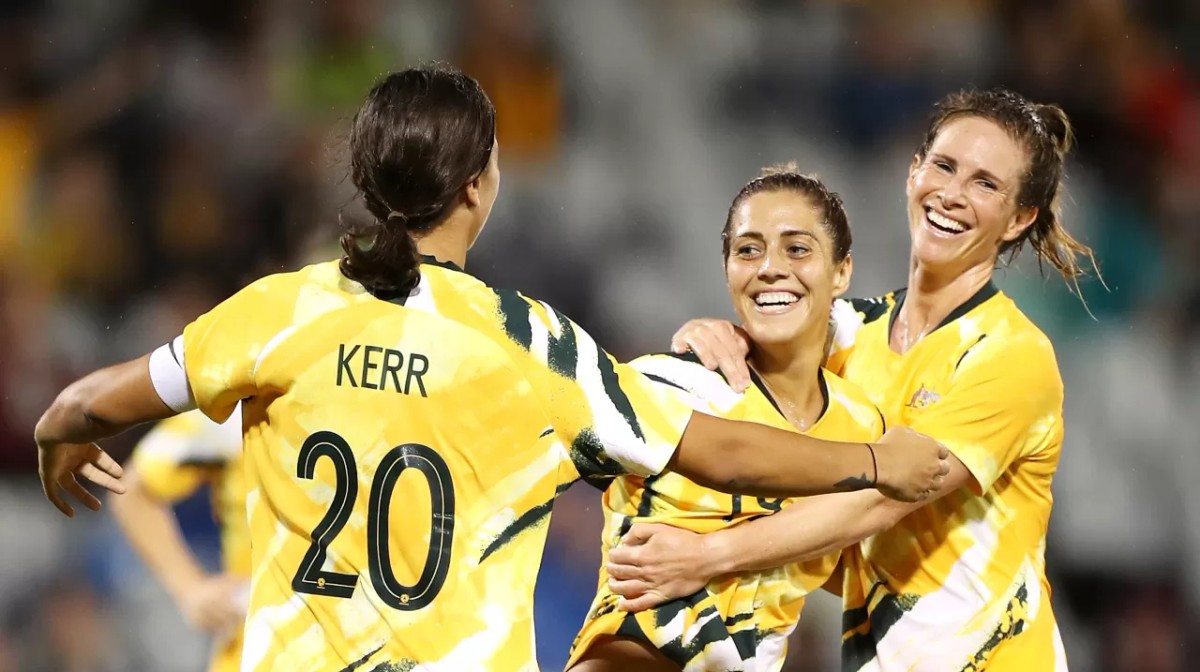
155, 156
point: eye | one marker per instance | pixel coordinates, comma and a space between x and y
987, 184
944, 166
746, 250
798, 250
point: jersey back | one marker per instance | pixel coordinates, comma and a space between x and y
403, 460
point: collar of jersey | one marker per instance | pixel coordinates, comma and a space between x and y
434, 261
986, 292
762, 388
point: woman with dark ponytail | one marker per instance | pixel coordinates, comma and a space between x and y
958, 583
352, 372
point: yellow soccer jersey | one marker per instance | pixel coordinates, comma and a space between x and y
961, 583
173, 460
734, 623
403, 458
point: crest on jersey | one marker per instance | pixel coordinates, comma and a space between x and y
923, 397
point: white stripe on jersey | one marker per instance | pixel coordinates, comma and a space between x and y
708, 387
846, 323
613, 428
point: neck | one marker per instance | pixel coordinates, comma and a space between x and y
790, 371
932, 296
450, 240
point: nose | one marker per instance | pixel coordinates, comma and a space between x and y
952, 193
773, 266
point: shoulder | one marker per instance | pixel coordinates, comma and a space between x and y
685, 372
1005, 336
865, 310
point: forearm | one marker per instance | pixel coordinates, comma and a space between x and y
102, 404
752, 459
153, 531
804, 530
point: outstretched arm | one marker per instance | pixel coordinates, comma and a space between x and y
100, 405
752, 459
657, 563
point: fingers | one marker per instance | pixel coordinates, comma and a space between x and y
104, 462
628, 589
639, 534
719, 347
103, 479
72, 486
622, 572
943, 468
943, 452
642, 603
54, 494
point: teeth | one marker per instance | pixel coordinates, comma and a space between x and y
945, 222
775, 298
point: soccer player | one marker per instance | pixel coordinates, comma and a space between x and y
169, 464
958, 583
786, 246
407, 427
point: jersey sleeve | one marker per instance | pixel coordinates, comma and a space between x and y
704, 390
1004, 403
176, 457
612, 418
223, 347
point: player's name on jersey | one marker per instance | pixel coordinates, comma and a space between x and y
378, 368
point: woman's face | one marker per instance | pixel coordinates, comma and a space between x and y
962, 196
781, 270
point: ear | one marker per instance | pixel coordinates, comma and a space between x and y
912, 171
1024, 219
841, 276
471, 193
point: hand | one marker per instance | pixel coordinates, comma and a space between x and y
911, 466
214, 603
655, 564
60, 463
719, 345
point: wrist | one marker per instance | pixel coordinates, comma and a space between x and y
181, 582
719, 555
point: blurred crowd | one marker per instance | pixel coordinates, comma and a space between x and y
156, 156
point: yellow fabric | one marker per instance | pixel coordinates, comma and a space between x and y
960, 584
179, 455
496, 401
734, 623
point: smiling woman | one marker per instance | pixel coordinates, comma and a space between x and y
786, 248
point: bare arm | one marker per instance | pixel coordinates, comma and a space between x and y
656, 563
150, 525
753, 459
100, 405
812, 528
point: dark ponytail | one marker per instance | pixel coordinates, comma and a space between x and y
421, 135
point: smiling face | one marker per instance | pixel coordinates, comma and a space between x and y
781, 268
962, 196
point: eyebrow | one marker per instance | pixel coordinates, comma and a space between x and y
789, 232
978, 171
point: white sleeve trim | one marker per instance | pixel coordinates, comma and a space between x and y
169, 376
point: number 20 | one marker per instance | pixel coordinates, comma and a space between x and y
311, 579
